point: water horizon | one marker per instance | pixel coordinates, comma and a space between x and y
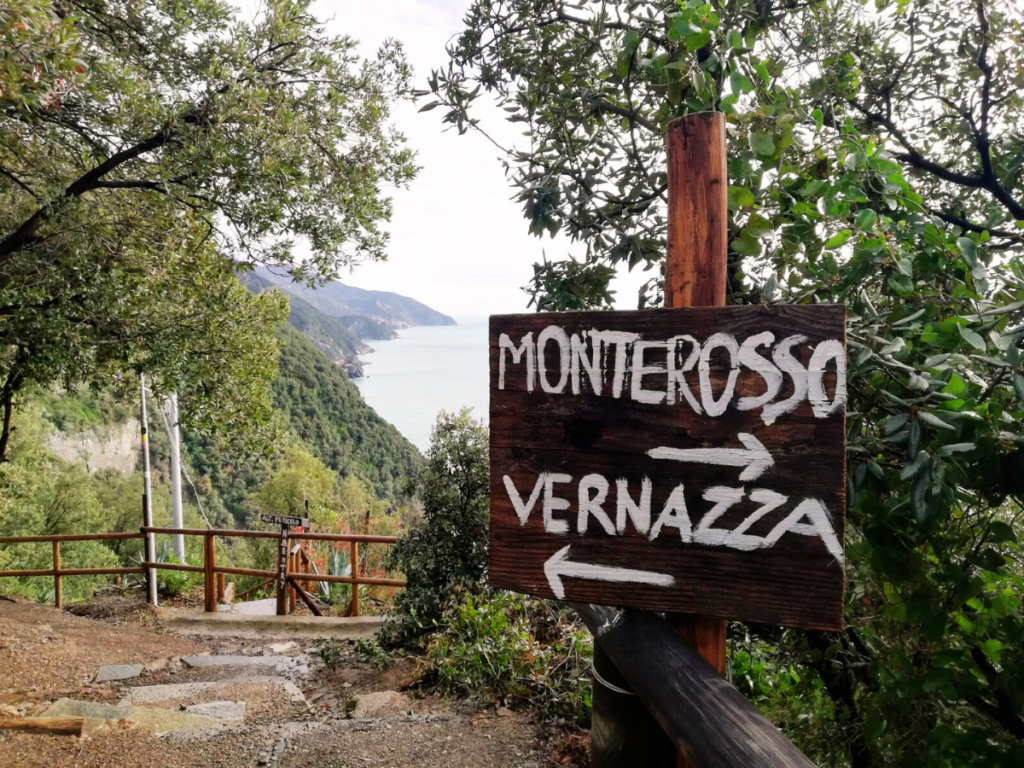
427, 369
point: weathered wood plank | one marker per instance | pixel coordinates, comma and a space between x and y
575, 438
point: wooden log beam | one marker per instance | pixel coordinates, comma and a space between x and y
349, 579
70, 537
71, 572
305, 597
708, 720
176, 567
58, 726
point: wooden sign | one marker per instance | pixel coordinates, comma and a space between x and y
292, 522
674, 459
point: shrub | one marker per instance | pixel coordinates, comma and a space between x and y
369, 651
526, 651
447, 548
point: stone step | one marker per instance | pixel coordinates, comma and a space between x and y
148, 694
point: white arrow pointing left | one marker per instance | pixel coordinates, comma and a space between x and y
558, 566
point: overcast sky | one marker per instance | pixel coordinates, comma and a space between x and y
459, 243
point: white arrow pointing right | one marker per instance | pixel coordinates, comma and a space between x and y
754, 457
558, 566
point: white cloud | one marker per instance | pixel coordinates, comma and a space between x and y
458, 241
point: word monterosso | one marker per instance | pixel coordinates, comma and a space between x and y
586, 357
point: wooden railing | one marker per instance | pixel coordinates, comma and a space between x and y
297, 568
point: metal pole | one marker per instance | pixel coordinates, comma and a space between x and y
177, 516
147, 500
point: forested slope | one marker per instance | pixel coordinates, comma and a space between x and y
329, 415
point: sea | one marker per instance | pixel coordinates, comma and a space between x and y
428, 369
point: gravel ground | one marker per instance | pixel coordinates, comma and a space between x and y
46, 654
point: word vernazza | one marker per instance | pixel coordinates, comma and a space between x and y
588, 358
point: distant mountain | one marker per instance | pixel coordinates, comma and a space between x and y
340, 343
345, 301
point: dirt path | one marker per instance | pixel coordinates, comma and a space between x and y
298, 714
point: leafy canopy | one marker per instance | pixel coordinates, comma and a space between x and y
147, 144
874, 160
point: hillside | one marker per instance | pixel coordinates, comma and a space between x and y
338, 340
344, 301
329, 415
316, 402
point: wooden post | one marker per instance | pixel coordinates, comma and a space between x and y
696, 269
209, 578
58, 593
282, 573
353, 606
220, 587
292, 568
698, 211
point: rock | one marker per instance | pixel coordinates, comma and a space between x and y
281, 662
471, 706
504, 712
291, 645
157, 666
112, 672
160, 720
229, 594
148, 694
378, 704
75, 708
221, 711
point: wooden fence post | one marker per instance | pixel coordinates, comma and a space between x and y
220, 587
353, 606
209, 578
696, 270
293, 562
58, 593
282, 573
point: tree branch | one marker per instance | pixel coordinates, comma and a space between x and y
632, 115
19, 182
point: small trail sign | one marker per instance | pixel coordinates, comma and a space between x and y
672, 459
293, 522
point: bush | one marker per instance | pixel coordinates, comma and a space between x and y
368, 650
522, 650
447, 548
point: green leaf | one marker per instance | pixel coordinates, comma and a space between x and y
993, 649
934, 421
761, 144
740, 83
968, 251
740, 197
972, 338
838, 239
955, 386
698, 41
819, 117
1018, 386
865, 219
1001, 532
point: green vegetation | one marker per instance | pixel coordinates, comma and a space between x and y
119, 227
327, 412
446, 549
530, 653
875, 161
